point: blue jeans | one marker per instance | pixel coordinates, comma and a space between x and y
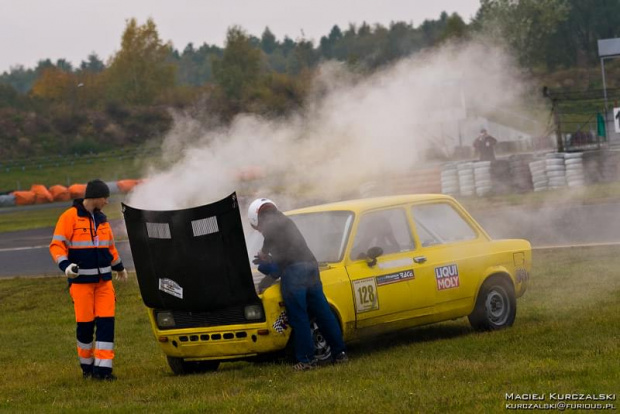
302, 292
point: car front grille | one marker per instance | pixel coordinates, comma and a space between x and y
229, 316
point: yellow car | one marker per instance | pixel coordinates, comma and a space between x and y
386, 264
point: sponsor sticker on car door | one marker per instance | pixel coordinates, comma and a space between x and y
447, 277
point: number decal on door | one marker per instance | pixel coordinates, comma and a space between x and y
365, 292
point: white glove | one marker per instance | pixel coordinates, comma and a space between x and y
265, 283
71, 271
121, 275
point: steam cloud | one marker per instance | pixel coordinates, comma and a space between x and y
352, 129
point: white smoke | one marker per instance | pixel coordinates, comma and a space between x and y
352, 129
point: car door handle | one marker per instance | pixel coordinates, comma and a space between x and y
419, 259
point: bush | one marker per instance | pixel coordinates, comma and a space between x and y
85, 145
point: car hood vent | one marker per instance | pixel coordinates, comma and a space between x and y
193, 259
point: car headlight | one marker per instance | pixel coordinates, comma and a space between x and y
165, 320
253, 312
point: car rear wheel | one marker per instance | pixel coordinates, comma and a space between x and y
496, 306
181, 367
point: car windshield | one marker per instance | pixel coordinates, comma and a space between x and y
326, 234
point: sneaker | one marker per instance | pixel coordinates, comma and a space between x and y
305, 366
105, 377
341, 358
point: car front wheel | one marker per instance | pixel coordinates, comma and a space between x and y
181, 367
496, 306
322, 350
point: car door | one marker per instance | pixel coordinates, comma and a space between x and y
386, 291
453, 249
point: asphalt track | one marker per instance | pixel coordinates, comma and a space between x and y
25, 253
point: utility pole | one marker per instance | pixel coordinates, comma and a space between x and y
556, 118
558, 127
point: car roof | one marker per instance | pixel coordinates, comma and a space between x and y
365, 204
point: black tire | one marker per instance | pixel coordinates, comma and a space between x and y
496, 306
181, 367
322, 350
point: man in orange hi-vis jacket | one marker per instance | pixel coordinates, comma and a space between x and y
83, 247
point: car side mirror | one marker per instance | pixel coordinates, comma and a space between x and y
372, 254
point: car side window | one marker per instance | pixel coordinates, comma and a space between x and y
387, 229
439, 224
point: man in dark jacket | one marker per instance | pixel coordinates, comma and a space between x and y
286, 255
485, 146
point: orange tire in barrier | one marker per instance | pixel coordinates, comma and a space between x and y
126, 186
60, 193
23, 198
77, 190
42, 194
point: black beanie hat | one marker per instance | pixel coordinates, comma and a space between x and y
97, 189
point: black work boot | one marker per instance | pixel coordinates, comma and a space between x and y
87, 371
108, 376
341, 358
103, 374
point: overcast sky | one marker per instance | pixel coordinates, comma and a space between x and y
31, 30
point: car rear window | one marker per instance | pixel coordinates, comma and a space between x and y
440, 224
387, 229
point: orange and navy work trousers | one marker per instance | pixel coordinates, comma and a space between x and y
94, 308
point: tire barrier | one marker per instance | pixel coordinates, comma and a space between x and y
521, 177
24, 198
556, 170
39, 194
538, 171
450, 180
126, 186
60, 193
77, 190
467, 184
7, 200
113, 186
521, 173
575, 176
482, 177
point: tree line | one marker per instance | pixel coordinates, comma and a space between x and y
61, 108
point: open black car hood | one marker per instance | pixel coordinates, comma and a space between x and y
194, 259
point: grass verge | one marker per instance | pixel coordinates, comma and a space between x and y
38, 216
565, 340
109, 166
595, 193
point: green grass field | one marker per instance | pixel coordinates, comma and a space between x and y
565, 340
110, 166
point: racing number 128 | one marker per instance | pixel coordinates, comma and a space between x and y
367, 294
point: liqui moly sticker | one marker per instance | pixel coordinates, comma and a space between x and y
171, 287
447, 277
